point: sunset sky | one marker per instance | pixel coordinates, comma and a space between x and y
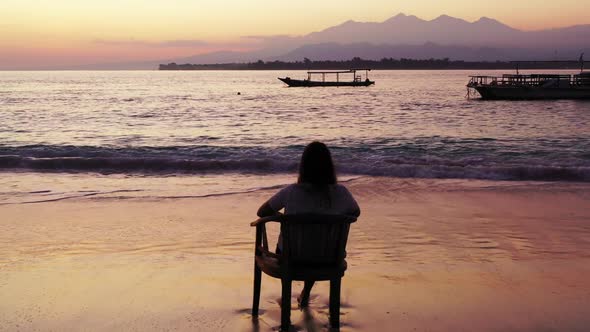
45, 33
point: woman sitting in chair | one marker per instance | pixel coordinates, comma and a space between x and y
316, 191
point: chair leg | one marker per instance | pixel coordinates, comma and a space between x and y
286, 304
257, 282
335, 303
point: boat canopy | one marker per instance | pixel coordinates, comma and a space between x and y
337, 71
356, 78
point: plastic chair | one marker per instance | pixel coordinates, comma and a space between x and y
313, 249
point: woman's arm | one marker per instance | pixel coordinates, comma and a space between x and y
353, 207
356, 213
265, 210
274, 204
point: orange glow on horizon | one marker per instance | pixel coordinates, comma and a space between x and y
122, 30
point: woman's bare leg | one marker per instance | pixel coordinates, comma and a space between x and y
303, 298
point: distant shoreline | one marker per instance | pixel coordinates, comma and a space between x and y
384, 64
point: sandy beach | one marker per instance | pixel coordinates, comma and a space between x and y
426, 255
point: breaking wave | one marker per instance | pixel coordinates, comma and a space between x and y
484, 160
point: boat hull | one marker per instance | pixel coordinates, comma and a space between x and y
307, 83
532, 93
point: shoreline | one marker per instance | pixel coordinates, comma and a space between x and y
45, 187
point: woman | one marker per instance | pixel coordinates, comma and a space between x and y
316, 191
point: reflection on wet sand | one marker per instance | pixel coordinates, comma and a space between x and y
442, 255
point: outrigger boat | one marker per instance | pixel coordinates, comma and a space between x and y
357, 80
532, 86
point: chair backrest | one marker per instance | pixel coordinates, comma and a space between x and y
315, 239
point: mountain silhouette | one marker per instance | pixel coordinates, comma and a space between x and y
485, 39
447, 30
408, 36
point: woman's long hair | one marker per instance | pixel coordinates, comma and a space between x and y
316, 167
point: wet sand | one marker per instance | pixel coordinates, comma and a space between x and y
426, 255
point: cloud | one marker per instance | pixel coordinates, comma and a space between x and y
188, 43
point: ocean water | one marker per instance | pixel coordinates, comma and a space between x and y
161, 123
124, 150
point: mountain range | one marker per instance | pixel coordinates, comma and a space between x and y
407, 36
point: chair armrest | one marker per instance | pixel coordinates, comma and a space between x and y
260, 224
264, 220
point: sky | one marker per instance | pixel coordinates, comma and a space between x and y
46, 33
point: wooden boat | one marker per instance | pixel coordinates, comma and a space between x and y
357, 80
532, 86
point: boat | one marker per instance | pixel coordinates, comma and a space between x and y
532, 86
357, 80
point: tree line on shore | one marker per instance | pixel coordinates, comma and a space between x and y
385, 63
